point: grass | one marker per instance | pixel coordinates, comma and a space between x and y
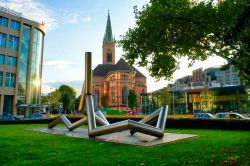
19, 146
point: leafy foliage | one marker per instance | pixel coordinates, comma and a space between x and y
67, 97
165, 96
132, 99
168, 30
105, 100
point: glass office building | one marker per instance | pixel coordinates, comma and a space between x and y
21, 56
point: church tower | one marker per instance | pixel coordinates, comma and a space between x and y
108, 47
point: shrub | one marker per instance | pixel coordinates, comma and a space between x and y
182, 123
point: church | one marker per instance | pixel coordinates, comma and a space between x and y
116, 79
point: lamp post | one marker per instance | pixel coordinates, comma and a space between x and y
50, 103
173, 98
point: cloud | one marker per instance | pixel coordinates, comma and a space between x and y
72, 18
32, 9
87, 19
58, 64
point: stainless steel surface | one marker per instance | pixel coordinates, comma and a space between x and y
77, 124
55, 122
100, 114
146, 129
100, 121
148, 119
88, 73
119, 126
65, 120
82, 99
90, 113
162, 118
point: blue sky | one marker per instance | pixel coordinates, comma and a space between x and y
76, 26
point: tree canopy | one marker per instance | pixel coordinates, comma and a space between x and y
167, 30
105, 100
165, 96
132, 99
67, 97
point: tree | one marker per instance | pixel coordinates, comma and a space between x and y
167, 30
67, 97
132, 99
54, 99
165, 96
105, 100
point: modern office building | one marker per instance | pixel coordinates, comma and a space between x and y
116, 79
215, 89
21, 55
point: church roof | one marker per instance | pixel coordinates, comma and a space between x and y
103, 69
108, 37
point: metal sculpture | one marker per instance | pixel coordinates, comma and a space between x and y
94, 118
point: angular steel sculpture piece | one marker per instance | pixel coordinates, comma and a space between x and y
93, 118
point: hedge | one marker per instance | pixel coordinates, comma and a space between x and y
182, 123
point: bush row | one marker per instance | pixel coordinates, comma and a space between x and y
171, 123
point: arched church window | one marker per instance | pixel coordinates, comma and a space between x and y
113, 95
109, 56
125, 78
124, 95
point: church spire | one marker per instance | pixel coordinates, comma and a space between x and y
108, 37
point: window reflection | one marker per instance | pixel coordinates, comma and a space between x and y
13, 43
11, 61
10, 79
23, 64
15, 25
1, 59
3, 38
3, 21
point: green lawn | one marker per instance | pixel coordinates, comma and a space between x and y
19, 146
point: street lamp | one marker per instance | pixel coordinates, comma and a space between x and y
173, 98
50, 103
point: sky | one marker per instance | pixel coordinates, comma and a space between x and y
74, 27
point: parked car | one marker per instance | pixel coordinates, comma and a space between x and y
203, 115
231, 115
8, 117
37, 116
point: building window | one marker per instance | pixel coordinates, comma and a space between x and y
11, 61
109, 56
3, 22
10, 79
3, 38
113, 95
13, 43
235, 76
124, 95
236, 82
15, 25
1, 78
220, 79
227, 77
1, 59
7, 105
97, 96
125, 78
23, 62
